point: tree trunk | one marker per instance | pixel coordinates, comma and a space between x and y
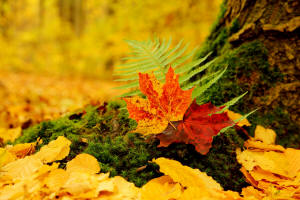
259, 40
73, 12
41, 12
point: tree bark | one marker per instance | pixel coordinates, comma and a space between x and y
260, 41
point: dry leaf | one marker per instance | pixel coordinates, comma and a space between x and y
267, 136
161, 188
10, 134
235, 116
56, 150
56, 179
22, 150
186, 176
6, 157
198, 127
270, 168
83, 163
22, 168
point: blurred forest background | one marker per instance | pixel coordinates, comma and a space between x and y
57, 56
86, 38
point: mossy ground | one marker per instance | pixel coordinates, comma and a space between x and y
104, 132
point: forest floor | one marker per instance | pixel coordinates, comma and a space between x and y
29, 98
39, 169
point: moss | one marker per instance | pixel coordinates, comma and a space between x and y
235, 26
220, 16
106, 130
280, 119
124, 155
249, 70
128, 154
220, 162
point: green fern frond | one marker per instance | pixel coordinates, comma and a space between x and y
232, 102
200, 89
155, 56
238, 120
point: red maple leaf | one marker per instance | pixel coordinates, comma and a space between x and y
165, 102
198, 127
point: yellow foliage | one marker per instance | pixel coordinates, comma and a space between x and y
194, 183
267, 136
272, 170
29, 178
235, 116
22, 150
10, 134
32, 98
56, 150
274, 174
54, 37
6, 157
83, 163
162, 187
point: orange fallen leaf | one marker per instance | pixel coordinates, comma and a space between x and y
194, 183
185, 175
56, 179
165, 103
22, 150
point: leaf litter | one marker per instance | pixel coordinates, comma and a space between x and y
272, 170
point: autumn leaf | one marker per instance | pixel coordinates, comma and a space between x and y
194, 184
22, 150
162, 187
272, 170
9, 134
83, 163
56, 150
164, 103
198, 127
236, 116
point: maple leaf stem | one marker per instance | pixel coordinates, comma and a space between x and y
173, 125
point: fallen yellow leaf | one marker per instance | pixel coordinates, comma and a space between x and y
267, 136
56, 150
235, 116
161, 188
10, 134
22, 150
83, 163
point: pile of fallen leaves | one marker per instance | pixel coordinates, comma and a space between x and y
26, 176
27, 99
272, 170
170, 115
